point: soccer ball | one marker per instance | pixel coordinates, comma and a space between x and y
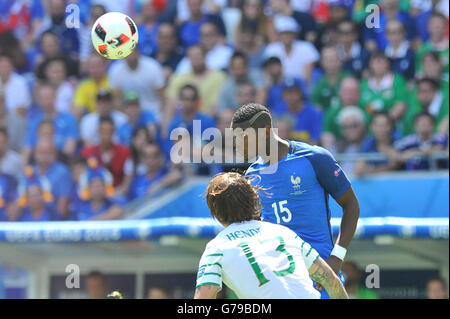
114, 35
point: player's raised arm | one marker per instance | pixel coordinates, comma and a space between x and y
207, 291
325, 276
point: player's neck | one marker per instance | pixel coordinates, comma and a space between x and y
282, 148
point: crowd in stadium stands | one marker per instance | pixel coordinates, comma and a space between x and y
81, 135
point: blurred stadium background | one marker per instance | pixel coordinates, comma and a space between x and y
387, 126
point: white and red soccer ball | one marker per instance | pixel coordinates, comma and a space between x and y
114, 35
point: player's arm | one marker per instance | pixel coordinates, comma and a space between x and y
325, 276
350, 210
335, 182
209, 275
207, 291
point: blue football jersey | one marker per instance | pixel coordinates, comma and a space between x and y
299, 192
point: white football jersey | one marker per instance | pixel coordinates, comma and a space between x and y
259, 260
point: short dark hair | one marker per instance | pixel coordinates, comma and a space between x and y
423, 114
5, 55
435, 84
106, 119
49, 32
232, 198
249, 26
379, 55
247, 111
433, 54
386, 115
191, 87
439, 16
4, 132
347, 21
96, 274
239, 55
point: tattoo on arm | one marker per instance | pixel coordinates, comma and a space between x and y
206, 292
324, 275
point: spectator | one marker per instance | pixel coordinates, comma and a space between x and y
325, 94
108, 154
239, 73
97, 10
274, 81
55, 22
415, 149
58, 175
438, 42
209, 81
10, 162
298, 57
250, 43
398, 50
148, 28
424, 15
137, 117
353, 125
96, 285
436, 288
353, 286
189, 31
384, 90
36, 208
354, 56
50, 48
143, 75
14, 48
305, 21
427, 98
135, 164
157, 176
217, 55
85, 98
245, 93
168, 53
65, 125
382, 141
285, 126
224, 119
432, 68
10, 84
8, 197
189, 99
90, 122
24, 18
375, 38
336, 12
308, 119
15, 125
97, 204
55, 71
158, 292
253, 13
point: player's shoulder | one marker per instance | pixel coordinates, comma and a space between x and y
214, 245
276, 229
307, 150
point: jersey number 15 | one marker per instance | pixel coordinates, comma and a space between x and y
283, 209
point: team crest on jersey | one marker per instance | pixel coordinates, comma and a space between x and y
201, 271
296, 185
